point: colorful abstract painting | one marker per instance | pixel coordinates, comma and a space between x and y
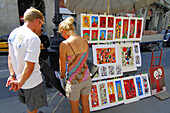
94, 21
110, 22
102, 35
104, 54
125, 28
103, 22
157, 79
86, 34
132, 28
94, 36
118, 27
109, 34
86, 21
130, 89
127, 57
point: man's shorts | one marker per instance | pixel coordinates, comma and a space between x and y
73, 91
34, 98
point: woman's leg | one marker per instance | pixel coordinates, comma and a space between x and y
85, 103
74, 106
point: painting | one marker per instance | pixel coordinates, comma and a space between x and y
140, 87
102, 35
119, 71
94, 100
146, 85
111, 70
125, 28
126, 57
132, 28
85, 20
86, 34
118, 28
109, 35
94, 35
110, 22
119, 91
137, 55
130, 89
139, 28
112, 93
103, 21
157, 79
103, 71
103, 95
104, 54
94, 21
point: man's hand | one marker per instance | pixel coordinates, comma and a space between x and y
15, 85
9, 80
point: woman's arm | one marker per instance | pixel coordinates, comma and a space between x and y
62, 59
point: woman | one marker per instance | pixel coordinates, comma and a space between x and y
74, 50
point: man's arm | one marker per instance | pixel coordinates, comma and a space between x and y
11, 69
28, 69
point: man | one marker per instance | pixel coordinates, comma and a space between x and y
24, 49
45, 43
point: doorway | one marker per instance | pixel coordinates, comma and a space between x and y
23, 5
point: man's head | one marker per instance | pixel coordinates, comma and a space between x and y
35, 19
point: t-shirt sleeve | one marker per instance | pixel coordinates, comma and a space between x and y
33, 50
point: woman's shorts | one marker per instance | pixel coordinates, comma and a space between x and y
73, 91
34, 98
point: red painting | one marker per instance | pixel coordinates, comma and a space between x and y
102, 22
106, 55
130, 90
86, 34
125, 28
110, 22
94, 96
157, 79
110, 35
139, 28
118, 28
94, 36
132, 29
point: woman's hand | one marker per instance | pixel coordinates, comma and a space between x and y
62, 76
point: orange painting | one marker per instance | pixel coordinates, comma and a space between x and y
106, 55
86, 21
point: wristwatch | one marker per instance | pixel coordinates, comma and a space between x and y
13, 76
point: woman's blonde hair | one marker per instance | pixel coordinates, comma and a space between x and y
31, 14
67, 25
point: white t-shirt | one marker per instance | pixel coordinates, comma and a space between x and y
24, 45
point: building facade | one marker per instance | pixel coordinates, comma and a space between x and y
156, 16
